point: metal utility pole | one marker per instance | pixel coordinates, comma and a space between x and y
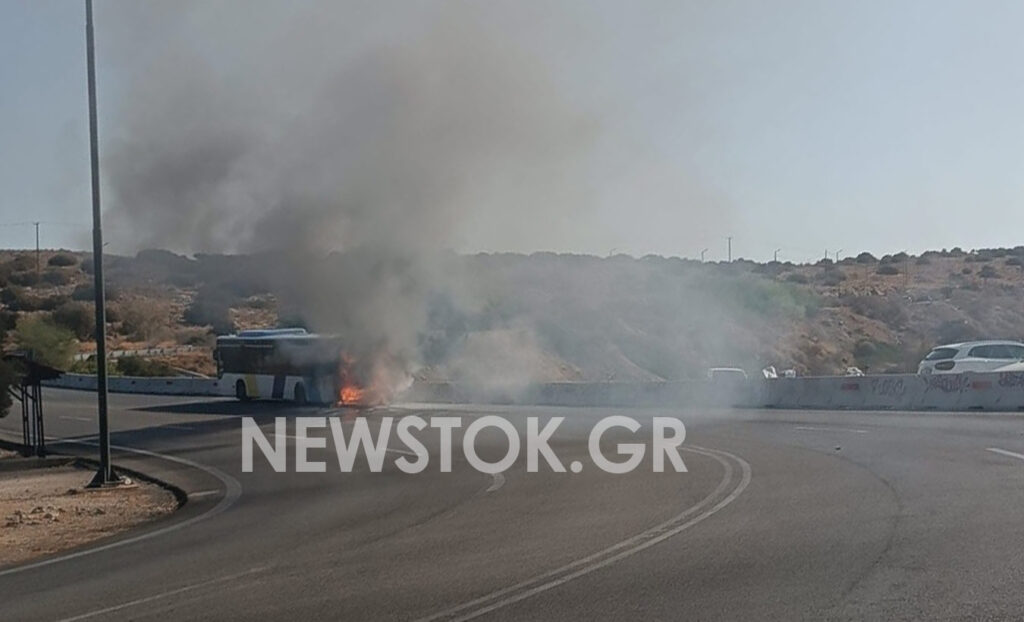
837, 255
730, 248
37, 248
105, 476
702, 254
775, 255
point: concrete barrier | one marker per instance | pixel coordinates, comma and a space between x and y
996, 391
624, 394
147, 385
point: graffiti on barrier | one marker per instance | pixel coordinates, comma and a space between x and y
947, 383
1011, 379
889, 387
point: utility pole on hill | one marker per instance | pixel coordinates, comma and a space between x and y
730, 248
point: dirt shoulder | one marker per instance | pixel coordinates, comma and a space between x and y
46, 510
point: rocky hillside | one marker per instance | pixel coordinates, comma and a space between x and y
543, 316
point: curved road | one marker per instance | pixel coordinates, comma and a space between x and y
781, 515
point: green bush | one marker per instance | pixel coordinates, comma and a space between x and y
78, 317
62, 260
142, 319
86, 293
22, 263
884, 309
52, 302
28, 278
49, 343
887, 269
138, 366
832, 278
8, 376
88, 366
875, 354
57, 277
17, 299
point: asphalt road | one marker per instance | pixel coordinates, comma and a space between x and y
782, 515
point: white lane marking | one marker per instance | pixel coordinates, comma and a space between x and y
70, 418
1011, 454
498, 482
819, 429
233, 490
625, 548
203, 493
147, 599
392, 450
404, 452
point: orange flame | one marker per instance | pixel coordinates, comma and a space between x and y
373, 384
351, 395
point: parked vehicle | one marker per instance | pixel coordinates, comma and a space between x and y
727, 374
972, 356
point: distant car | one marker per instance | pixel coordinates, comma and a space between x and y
727, 374
972, 356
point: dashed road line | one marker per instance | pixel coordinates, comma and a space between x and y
498, 482
175, 592
1004, 452
811, 428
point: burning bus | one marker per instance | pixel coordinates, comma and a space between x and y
293, 364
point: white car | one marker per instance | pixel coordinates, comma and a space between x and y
727, 374
972, 356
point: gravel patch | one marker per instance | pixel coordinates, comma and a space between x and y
43, 511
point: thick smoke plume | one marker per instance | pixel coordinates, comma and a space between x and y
295, 133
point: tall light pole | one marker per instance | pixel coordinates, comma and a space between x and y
37, 248
704, 250
837, 255
729, 239
775, 255
105, 475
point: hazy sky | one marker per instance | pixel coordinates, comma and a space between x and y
803, 126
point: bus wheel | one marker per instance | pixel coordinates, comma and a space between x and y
240, 391
300, 395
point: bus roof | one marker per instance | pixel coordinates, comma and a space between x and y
272, 334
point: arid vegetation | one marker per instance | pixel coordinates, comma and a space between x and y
548, 316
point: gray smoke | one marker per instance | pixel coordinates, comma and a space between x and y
265, 128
